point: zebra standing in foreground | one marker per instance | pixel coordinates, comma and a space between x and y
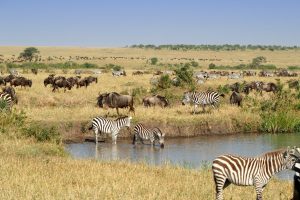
203, 98
255, 171
142, 133
8, 97
296, 195
103, 125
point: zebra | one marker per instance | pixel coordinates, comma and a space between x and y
203, 98
255, 171
296, 194
142, 133
103, 125
6, 100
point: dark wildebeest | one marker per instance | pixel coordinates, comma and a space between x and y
61, 83
91, 79
49, 80
137, 73
254, 85
34, 71
270, 87
73, 80
9, 78
10, 90
82, 82
115, 100
2, 81
21, 81
155, 100
236, 98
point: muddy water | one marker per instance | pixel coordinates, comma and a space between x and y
187, 152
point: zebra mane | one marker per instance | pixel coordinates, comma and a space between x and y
273, 153
121, 118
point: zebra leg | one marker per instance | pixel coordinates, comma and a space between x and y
96, 136
134, 139
114, 138
195, 107
221, 183
258, 189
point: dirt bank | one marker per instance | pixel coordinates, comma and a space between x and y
75, 132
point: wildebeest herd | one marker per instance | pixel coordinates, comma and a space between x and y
68, 83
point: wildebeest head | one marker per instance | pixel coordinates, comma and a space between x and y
163, 100
101, 99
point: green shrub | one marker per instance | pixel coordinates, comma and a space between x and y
184, 76
164, 82
42, 133
153, 61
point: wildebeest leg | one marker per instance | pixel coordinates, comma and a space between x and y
203, 108
118, 111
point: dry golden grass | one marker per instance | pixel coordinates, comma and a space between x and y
132, 57
71, 108
63, 178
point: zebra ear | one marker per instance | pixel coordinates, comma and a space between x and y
285, 154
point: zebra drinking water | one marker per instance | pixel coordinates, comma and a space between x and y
103, 125
142, 133
201, 98
256, 171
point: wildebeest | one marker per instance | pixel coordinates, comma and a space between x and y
21, 81
115, 100
91, 79
34, 71
49, 80
9, 78
137, 73
155, 100
61, 83
73, 80
254, 85
270, 87
2, 82
236, 98
292, 83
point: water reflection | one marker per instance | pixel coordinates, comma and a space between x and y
187, 152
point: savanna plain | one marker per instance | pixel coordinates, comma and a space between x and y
34, 164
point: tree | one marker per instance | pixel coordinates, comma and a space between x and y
256, 62
29, 53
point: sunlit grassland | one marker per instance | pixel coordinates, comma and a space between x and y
79, 105
131, 58
45, 177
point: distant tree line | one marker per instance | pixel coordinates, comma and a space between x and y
224, 47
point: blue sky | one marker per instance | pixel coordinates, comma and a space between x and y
115, 23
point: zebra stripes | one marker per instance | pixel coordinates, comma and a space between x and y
142, 133
255, 171
296, 194
7, 99
103, 125
201, 98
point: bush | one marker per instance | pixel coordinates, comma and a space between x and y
42, 133
184, 77
211, 66
153, 60
164, 82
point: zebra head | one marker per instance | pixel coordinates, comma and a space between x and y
291, 156
128, 119
160, 136
186, 98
